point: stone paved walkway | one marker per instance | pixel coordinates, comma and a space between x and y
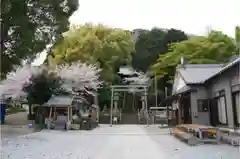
118, 142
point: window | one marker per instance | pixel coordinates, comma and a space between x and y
222, 111
203, 105
237, 106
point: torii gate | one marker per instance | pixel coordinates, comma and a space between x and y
126, 88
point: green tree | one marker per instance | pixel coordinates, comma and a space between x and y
215, 48
42, 87
104, 96
108, 47
28, 26
150, 44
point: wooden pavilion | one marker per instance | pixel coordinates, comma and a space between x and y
59, 111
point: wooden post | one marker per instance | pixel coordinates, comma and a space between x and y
179, 111
49, 119
50, 113
68, 114
55, 111
146, 106
71, 112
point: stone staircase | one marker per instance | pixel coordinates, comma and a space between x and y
129, 118
126, 118
104, 119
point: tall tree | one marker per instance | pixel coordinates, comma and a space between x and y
174, 35
215, 48
152, 43
42, 86
107, 47
27, 26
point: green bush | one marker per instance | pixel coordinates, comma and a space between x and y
14, 109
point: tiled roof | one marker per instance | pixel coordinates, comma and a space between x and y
226, 66
126, 71
60, 101
198, 73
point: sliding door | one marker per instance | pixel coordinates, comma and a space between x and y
222, 108
236, 108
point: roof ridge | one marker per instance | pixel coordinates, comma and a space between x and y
201, 65
235, 58
225, 67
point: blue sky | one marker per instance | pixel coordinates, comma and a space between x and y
191, 16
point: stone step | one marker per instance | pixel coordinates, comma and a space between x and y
233, 140
185, 137
129, 119
104, 119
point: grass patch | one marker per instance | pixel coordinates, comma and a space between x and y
13, 110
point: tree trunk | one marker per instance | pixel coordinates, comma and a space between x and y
41, 117
30, 111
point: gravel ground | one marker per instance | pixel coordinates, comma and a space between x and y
118, 142
19, 118
10, 131
15, 125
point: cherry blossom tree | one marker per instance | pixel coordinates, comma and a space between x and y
15, 81
79, 76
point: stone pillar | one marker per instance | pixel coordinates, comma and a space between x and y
49, 123
115, 108
68, 127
